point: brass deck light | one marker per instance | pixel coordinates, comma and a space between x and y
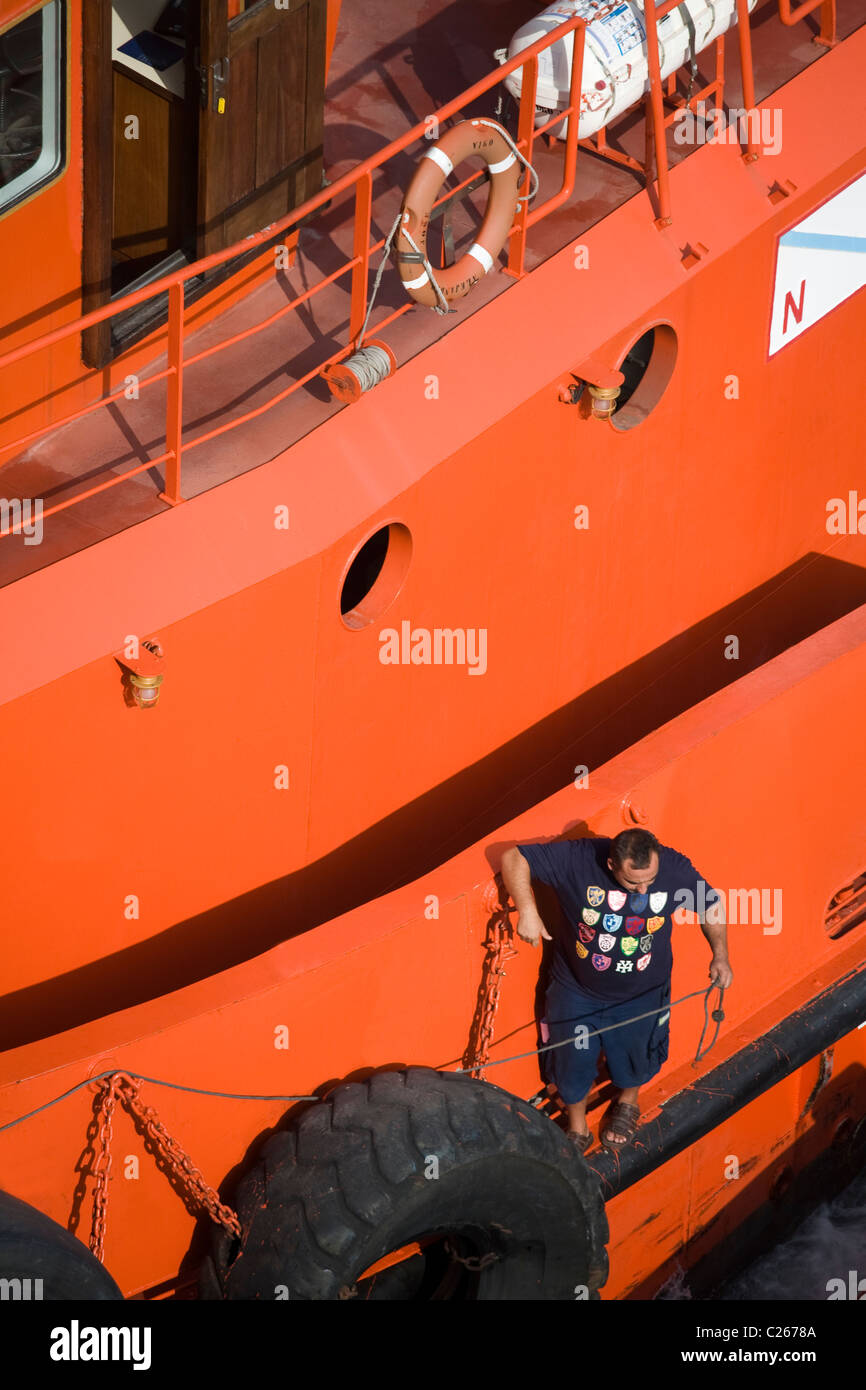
603, 383
146, 675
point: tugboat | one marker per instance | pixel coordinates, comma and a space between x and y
419, 437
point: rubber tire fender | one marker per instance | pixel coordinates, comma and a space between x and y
32, 1246
355, 1178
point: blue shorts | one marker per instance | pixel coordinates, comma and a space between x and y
634, 1053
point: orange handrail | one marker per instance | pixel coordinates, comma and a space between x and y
827, 36
359, 180
653, 13
326, 195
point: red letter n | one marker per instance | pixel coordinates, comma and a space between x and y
796, 309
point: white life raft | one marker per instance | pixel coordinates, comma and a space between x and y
615, 66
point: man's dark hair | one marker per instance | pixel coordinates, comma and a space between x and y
633, 846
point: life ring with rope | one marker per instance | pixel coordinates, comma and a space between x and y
488, 140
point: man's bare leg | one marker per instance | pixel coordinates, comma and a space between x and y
577, 1117
628, 1097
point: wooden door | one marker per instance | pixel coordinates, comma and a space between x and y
262, 94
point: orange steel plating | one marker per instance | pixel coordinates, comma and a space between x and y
313, 918
395, 1258
219, 1028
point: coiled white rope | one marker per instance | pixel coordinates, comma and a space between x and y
370, 365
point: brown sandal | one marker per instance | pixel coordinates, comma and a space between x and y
623, 1121
580, 1141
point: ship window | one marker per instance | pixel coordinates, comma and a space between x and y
31, 103
647, 367
847, 908
375, 575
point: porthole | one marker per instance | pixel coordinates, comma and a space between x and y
375, 575
647, 367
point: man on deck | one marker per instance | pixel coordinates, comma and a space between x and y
613, 962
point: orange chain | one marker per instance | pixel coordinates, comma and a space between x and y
102, 1166
499, 948
121, 1087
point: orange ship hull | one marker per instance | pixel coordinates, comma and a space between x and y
302, 835
341, 990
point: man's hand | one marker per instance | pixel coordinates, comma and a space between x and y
531, 928
721, 972
516, 877
714, 929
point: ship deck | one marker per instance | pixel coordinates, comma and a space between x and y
377, 90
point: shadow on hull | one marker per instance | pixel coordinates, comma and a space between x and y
591, 729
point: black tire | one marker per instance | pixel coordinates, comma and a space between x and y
354, 1180
32, 1246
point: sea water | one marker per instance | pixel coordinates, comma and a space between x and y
824, 1259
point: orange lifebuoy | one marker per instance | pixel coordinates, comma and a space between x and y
488, 140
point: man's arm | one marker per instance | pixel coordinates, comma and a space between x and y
715, 929
516, 876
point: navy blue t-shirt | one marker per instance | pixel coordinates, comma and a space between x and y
618, 944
